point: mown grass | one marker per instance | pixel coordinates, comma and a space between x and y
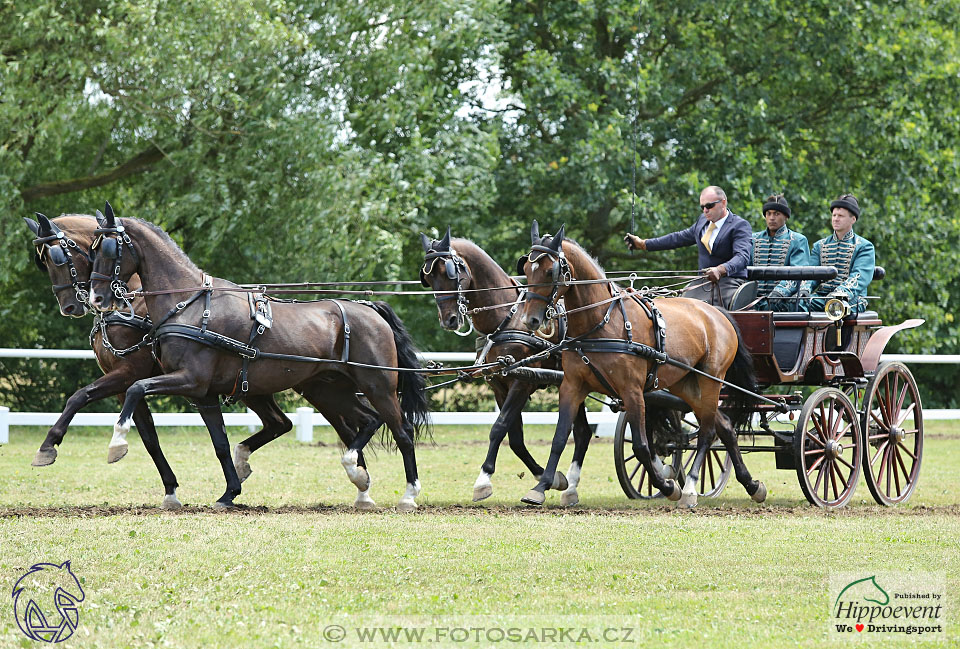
297, 559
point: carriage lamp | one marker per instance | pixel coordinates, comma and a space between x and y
836, 309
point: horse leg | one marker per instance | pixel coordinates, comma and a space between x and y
275, 424
355, 465
704, 438
388, 407
111, 383
755, 488
581, 440
148, 434
571, 396
183, 383
636, 413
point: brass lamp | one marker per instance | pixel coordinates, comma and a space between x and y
836, 309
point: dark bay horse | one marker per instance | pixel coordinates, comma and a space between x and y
202, 328
599, 358
62, 249
454, 269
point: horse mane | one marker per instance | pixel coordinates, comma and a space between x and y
459, 244
156, 229
590, 258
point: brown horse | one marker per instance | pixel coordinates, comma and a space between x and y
614, 347
62, 248
463, 277
315, 348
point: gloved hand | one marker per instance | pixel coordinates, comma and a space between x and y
634, 242
775, 295
715, 273
803, 292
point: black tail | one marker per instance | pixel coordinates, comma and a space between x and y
413, 396
739, 407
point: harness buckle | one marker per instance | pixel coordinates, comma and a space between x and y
260, 330
244, 386
206, 313
586, 361
181, 306
627, 325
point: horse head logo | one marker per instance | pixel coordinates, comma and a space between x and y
866, 589
46, 600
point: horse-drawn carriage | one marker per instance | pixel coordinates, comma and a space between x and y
863, 415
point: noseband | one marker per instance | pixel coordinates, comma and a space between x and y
59, 257
455, 268
110, 242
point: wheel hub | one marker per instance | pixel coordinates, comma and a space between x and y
834, 449
897, 434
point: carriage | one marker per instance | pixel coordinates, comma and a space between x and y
861, 414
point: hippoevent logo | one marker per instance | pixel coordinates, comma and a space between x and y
888, 606
46, 602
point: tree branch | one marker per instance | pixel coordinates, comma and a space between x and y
133, 166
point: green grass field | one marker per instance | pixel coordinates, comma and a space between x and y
296, 560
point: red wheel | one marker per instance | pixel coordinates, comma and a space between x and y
828, 448
892, 421
632, 475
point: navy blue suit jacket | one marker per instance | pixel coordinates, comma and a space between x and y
732, 247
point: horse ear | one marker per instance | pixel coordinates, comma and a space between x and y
558, 238
33, 225
535, 232
445, 242
108, 211
47, 227
100, 218
425, 242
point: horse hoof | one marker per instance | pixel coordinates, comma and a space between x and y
480, 493
117, 453
45, 457
674, 495
221, 506
170, 503
240, 456
406, 506
533, 497
361, 479
569, 498
760, 494
560, 481
365, 504
688, 500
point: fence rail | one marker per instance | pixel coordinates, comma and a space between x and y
305, 419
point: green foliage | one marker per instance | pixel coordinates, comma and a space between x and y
281, 141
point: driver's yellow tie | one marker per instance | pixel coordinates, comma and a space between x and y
705, 239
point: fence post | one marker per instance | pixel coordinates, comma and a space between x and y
305, 424
4, 425
251, 427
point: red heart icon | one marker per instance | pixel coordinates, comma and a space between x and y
859, 627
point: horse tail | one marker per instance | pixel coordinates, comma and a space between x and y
739, 406
413, 395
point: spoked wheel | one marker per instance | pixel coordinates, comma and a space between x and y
633, 476
892, 421
828, 448
716, 467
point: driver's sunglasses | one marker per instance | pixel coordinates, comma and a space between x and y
710, 205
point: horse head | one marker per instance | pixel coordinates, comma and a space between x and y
547, 273
448, 275
112, 269
45, 592
63, 255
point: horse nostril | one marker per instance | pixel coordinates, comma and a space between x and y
69, 309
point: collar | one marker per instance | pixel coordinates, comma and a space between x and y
783, 230
719, 223
849, 235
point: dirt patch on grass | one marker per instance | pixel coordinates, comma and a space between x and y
93, 511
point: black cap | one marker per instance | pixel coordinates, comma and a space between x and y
778, 203
848, 201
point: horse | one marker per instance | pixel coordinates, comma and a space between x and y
324, 350
62, 249
466, 278
674, 344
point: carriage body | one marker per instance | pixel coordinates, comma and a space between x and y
864, 417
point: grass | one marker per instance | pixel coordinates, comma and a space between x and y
297, 559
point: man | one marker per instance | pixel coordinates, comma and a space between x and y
724, 243
778, 245
852, 256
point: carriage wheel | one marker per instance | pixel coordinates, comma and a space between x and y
632, 475
716, 468
827, 446
892, 421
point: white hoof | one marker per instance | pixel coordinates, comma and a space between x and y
115, 453
118, 445
364, 502
170, 502
357, 474
482, 488
407, 502
675, 495
241, 455
222, 507
688, 499
559, 481
569, 498
761, 494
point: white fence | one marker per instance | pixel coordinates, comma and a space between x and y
305, 419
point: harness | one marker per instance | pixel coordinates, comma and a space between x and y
101, 323
59, 256
453, 264
110, 241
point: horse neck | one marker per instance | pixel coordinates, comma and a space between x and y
581, 295
163, 267
487, 274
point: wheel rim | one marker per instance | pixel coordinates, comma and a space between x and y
828, 448
893, 430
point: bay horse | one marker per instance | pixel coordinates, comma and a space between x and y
463, 276
620, 344
62, 249
315, 348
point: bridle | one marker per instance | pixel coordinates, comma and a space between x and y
60, 255
560, 275
456, 269
109, 245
